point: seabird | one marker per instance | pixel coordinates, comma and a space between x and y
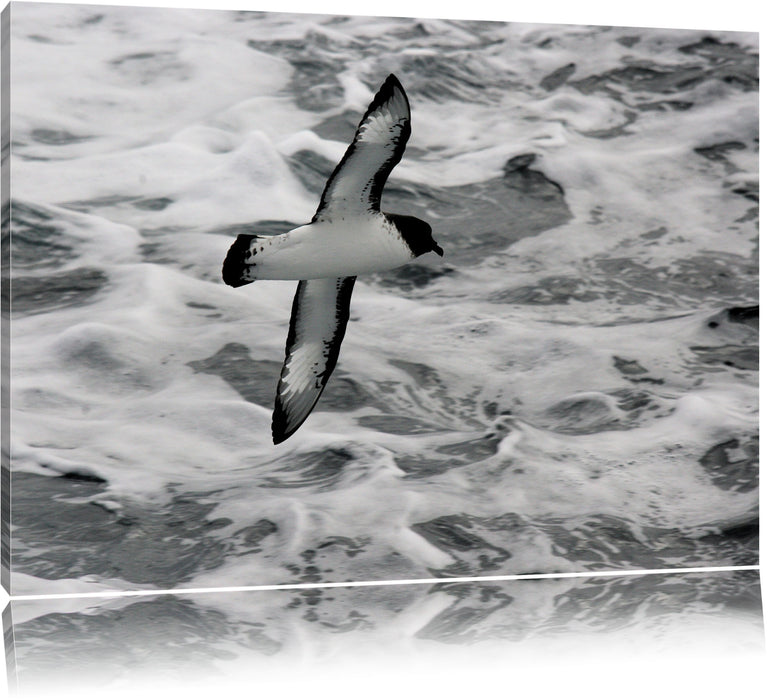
348, 235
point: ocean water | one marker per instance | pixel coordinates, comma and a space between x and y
573, 387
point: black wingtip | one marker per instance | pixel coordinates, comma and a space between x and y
284, 424
281, 430
279, 426
393, 81
277, 439
234, 268
390, 85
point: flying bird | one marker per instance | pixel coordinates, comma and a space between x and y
348, 235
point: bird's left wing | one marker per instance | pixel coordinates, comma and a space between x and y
318, 320
356, 185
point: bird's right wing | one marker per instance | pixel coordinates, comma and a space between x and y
318, 319
356, 185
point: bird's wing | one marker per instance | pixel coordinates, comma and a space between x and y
318, 320
356, 185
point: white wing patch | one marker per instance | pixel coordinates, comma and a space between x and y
318, 320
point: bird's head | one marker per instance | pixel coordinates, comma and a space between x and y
417, 234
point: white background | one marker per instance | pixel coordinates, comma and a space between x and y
561, 678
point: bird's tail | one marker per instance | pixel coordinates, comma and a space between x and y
240, 263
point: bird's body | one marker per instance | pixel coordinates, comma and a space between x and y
352, 245
349, 235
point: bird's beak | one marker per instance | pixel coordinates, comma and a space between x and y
438, 250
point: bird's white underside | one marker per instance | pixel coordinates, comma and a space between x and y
326, 249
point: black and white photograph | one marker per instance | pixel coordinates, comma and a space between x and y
297, 299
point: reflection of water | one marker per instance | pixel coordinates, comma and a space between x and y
94, 644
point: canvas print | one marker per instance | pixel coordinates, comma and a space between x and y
299, 298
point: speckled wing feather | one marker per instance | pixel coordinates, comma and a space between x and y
356, 185
318, 320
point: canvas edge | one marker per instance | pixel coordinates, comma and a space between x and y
5, 302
